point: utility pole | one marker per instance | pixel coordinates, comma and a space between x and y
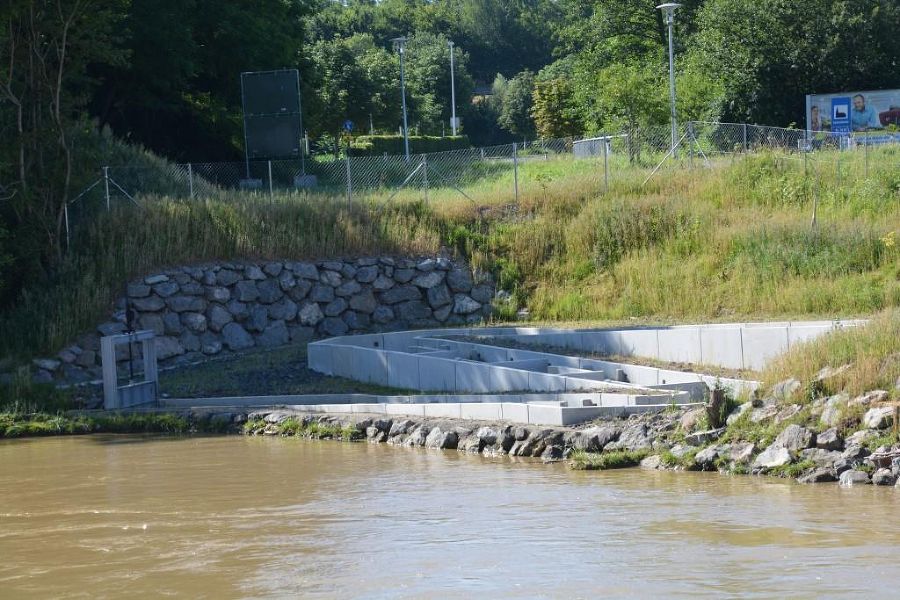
400, 45
452, 92
669, 9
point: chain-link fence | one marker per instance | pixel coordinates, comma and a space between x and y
504, 174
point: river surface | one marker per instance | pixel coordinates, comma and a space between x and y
236, 517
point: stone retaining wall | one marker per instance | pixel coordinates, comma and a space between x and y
208, 309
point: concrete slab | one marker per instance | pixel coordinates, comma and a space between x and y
403, 370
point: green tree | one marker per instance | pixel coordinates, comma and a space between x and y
554, 109
428, 81
515, 102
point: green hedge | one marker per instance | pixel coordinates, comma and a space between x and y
376, 145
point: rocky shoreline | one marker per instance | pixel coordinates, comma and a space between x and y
673, 439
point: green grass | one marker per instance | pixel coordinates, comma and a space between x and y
594, 461
728, 242
297, 427
792, 470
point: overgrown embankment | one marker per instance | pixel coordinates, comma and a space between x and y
732, 241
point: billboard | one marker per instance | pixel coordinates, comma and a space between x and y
846, 113
272, 122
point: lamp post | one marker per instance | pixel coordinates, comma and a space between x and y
452, 92
669, 9
400, 45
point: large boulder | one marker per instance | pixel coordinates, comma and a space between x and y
795, 438
880, 417
853, 477
774, 456
440, 439
275, 334
236, 337
310, 314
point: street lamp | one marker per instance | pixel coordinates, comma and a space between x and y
400, 45
669, 9
452, 92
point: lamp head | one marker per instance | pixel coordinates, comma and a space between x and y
399, 42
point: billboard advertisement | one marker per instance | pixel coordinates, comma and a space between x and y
852, 113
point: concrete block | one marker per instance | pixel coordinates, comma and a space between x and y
369, 408
473, 377
445, 410
436, 374
722, 346
606, 343
639, 342
413, 410
515, 412
509, 380
342, 361
319, 358
481, 411
370, 366
762, 343
541, 382
544, 415
403, 370
799, 333
681, 344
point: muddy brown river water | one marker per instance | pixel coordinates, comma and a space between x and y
235, 517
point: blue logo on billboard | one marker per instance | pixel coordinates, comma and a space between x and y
840, 116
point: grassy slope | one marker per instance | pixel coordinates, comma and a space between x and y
733, 241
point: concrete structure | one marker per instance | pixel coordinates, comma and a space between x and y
132, 393
504, 373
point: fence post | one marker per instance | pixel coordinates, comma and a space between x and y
815, 201
270, 179
106, 183
191, 179
866, 133
690, 127
66, 215
425, 171
606, 164
482, 154
349, 183
516, 171
744, 127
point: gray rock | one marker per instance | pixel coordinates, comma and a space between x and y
269, 291
821, 457
42, 376
860, 438
854, 477
884, 477
196, 322
795, 438
259, 318
741, 452
211, 347
383, 314
192, 289
310, 314
217, 317
335, 307
830, 439
706, 458
439, 296
275, 334
594, 439
166, 289
445, 440
787, 412
254, 273
401, 294
186, 304
236, 337
152, 321
273, 269
348, 288
443, 313
356, 320
382, 283
784, 390
334, 326
284, 310
633, 437
367, 274
651, 462
48, 364
227, 277
154, 279
172, 323
137, 290
332, 265
459, 281
879, 418
401, 427
167, 347
775, 455
330, 278
820, 475
286, 281
482, 293
738, 412
869, 398
428, 280
87, 358
218, 294
238, 310
321, 293
464, 305
189, 341
414, 310
404, 275
305, 270
246, 291
701, 438
364, 302
427, 265
111, 328
301, 334
148, 304
418, 437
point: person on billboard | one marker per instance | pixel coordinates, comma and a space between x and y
816, 122
863, 117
